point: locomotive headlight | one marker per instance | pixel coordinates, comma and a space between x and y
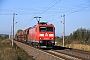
41, 41
51, 34
51, 38
41, 34
40, 38
52, 41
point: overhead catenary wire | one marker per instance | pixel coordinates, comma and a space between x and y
40, 10
70, 6
36, 8
78, 6
50, 7
5, 14
72, 12
78, 10
49, 17
30, 19
22, 9
45, 7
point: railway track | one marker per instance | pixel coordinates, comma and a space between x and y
74, 52
49, 54
62, 55
81, 51
77, 53
69, 56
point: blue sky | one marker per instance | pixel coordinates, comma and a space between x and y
77, 14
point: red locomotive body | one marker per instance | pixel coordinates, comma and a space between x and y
42, 34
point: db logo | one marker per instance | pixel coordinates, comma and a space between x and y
46, 34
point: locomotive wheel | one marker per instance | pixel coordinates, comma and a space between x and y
30, 43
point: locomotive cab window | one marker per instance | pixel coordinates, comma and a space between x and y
42, 29
45, 29
49, 29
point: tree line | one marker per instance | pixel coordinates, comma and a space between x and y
81, 35
3, 36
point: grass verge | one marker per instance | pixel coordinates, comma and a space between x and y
79, 46
15, 53
75, 46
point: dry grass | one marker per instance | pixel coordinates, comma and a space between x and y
6, 51
75, 44
79, 46
9, 53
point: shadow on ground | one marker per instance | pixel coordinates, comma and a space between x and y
56, 48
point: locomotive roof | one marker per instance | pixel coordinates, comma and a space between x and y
39, 23
42, 23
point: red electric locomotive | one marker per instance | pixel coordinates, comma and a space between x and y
42, 34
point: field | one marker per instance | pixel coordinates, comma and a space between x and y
79, 46
7, 52
75, 45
